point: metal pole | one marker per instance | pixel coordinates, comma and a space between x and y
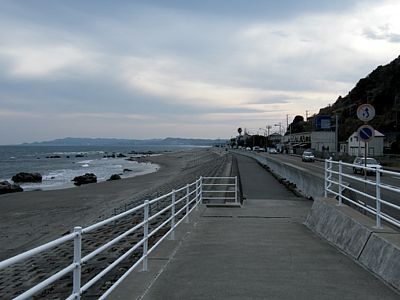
340, 182
172, 235
201, 189
145, 234
197, 195
337, 134
378, 199
76, 284
236, 188
365, 170
326, 179
187, 203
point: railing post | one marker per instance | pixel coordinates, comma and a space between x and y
197, 195
145, 234
187, 204
340, 182
236, 188
76, 279
172, 234
201, 189
378, 199
326, 179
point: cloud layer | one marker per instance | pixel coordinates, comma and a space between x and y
147, 69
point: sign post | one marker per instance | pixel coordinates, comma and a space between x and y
365, 112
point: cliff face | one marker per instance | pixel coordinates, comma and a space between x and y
381, 88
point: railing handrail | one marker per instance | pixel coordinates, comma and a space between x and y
193, 194
376, 196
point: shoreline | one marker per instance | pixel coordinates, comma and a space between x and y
32, 218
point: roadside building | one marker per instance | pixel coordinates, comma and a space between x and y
275, 139
356, 147
320, 141
323, 141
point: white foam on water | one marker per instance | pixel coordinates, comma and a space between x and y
103, 169
85, 162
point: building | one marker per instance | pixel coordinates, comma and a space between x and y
356, 147
323, 141
320, 141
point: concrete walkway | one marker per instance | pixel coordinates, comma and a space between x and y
259, 251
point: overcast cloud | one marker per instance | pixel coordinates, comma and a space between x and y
151, 69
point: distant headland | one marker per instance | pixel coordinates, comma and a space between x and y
70, 141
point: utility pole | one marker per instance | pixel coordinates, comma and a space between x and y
337, 133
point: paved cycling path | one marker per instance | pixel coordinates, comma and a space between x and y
259, 251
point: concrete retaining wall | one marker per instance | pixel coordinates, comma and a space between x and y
378, 250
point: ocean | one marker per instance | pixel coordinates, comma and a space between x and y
57, 173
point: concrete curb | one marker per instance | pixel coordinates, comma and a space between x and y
378, 250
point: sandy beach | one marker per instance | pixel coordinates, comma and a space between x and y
29, 219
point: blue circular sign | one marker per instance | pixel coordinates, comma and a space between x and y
366, 133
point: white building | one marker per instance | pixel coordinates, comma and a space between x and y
356, 147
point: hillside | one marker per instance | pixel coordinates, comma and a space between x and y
381, 88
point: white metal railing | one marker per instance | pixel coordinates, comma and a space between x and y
221, 189
192, 195
335, 177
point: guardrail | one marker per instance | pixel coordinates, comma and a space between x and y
335, 178
213, 189
178, 205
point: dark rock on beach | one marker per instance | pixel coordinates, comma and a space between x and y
121, 155
127, 170
6, 187
79, 155
27, 177
114, 177
85, 179
54, 156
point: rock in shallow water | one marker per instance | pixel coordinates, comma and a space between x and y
27, 177
85, 179
6, 187
114, 177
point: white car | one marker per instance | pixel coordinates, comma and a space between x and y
359, 164
272, 151
308, 156
256, 148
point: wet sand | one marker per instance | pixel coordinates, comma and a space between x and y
30, 219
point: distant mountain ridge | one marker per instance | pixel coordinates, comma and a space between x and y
69, 141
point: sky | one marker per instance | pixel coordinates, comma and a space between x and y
199, 69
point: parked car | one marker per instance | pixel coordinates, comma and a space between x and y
359, 164
256, 148
272, 151
248, 148
308, 156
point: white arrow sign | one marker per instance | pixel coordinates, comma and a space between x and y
366, 112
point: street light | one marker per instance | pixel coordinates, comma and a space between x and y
280, 127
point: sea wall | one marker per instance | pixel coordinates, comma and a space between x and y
378, 250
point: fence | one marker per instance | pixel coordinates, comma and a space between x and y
178, 206
378, 197
221, 189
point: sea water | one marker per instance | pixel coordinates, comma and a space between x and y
58, 173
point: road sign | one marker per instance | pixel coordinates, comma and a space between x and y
366, 133
365, 112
